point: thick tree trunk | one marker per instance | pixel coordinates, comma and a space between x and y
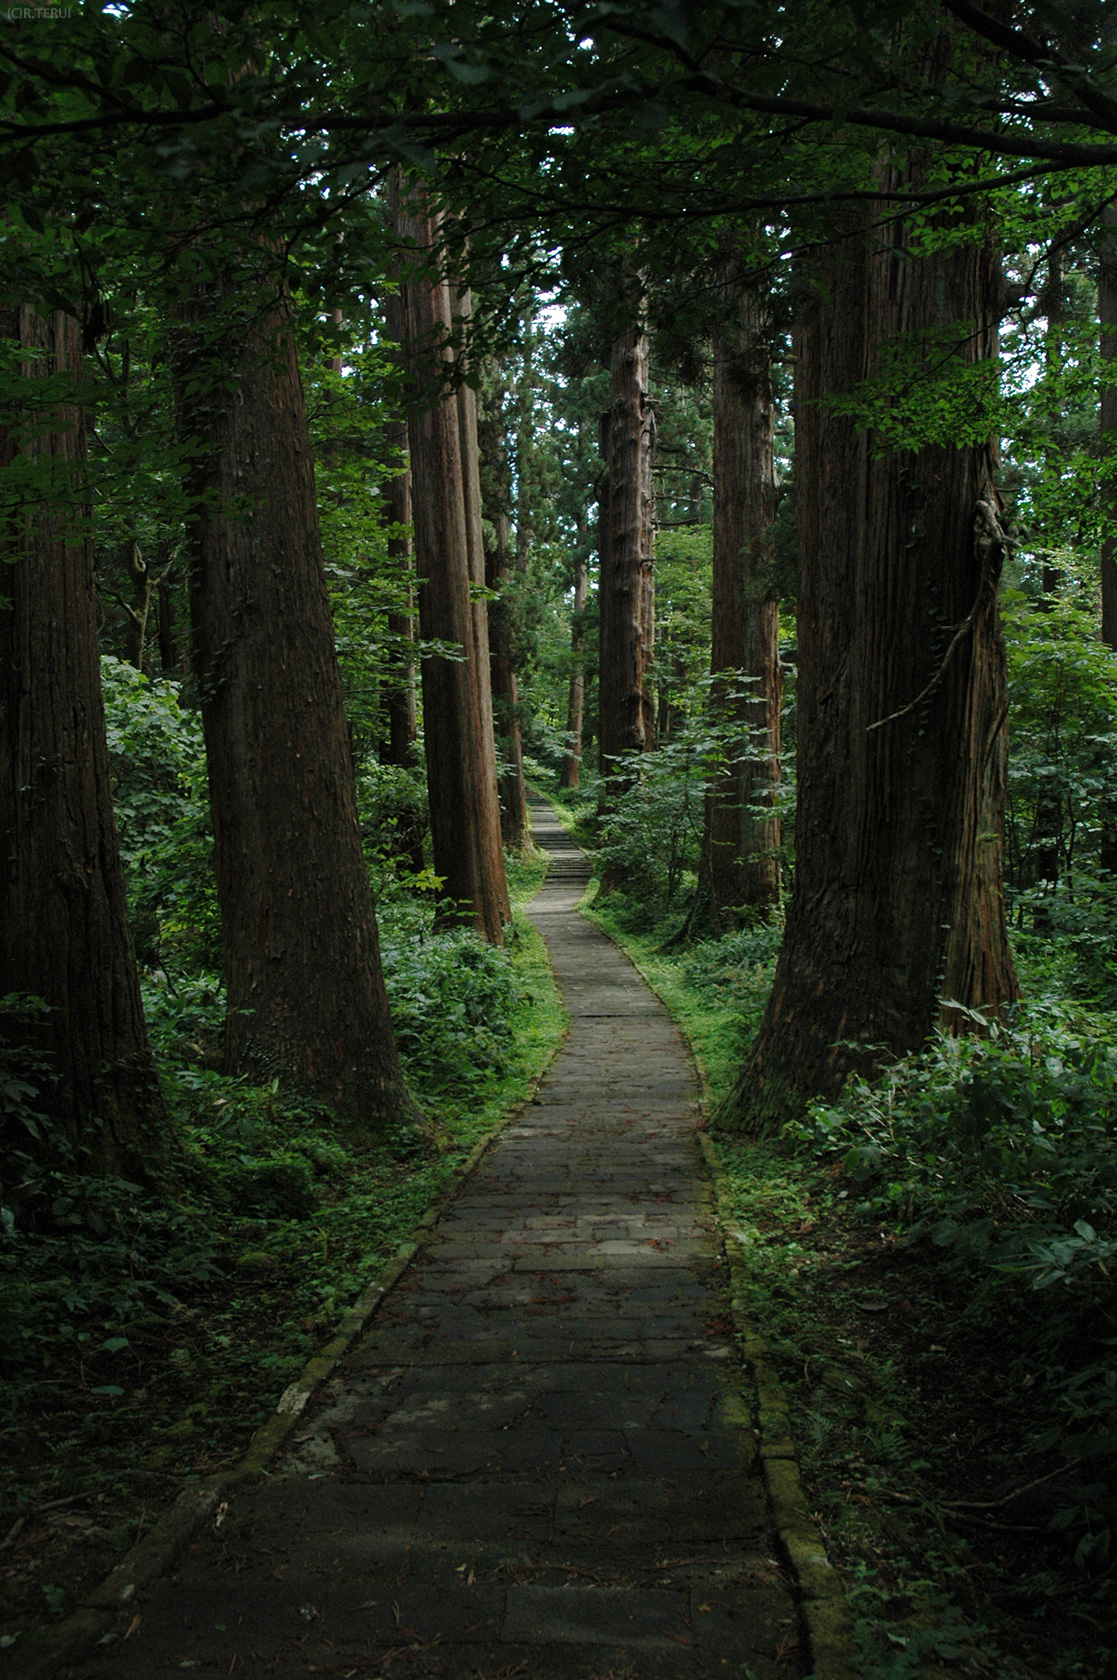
627, 588
457, 726
739, 870
64, 933
306, 998
496, 496
902, 707
576, 696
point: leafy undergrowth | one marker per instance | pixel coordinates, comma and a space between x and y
145, 1339
951, 1513
929, 1264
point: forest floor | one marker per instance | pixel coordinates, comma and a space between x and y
916, 1444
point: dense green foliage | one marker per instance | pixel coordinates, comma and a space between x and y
1005, 1152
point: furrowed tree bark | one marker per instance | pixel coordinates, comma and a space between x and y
525, 450
902, 705
627, 586
497, 822
400, 704
306, 997
457, 727
496, 497
739, 866
64, 933
401, 715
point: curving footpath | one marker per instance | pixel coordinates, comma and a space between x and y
535, 1461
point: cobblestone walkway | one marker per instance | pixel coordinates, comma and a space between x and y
535, 1462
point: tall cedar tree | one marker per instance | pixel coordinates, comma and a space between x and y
64, 933
1107, 426
1107, 419
902, 739
576, 692
400, 732
400, 727
496, 497
739, 866
401, 711
626, 586
449, 555
305, 989
481, 662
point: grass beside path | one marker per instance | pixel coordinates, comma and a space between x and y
163, 1376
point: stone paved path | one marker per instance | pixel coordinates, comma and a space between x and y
535, 1463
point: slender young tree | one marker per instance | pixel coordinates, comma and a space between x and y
137, 610
64, 935
576, 696
902, 740
169, 654
449, 552
306, 998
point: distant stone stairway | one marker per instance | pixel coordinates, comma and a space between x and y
536, 1461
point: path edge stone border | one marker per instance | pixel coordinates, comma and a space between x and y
46, 1649
826, 1617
